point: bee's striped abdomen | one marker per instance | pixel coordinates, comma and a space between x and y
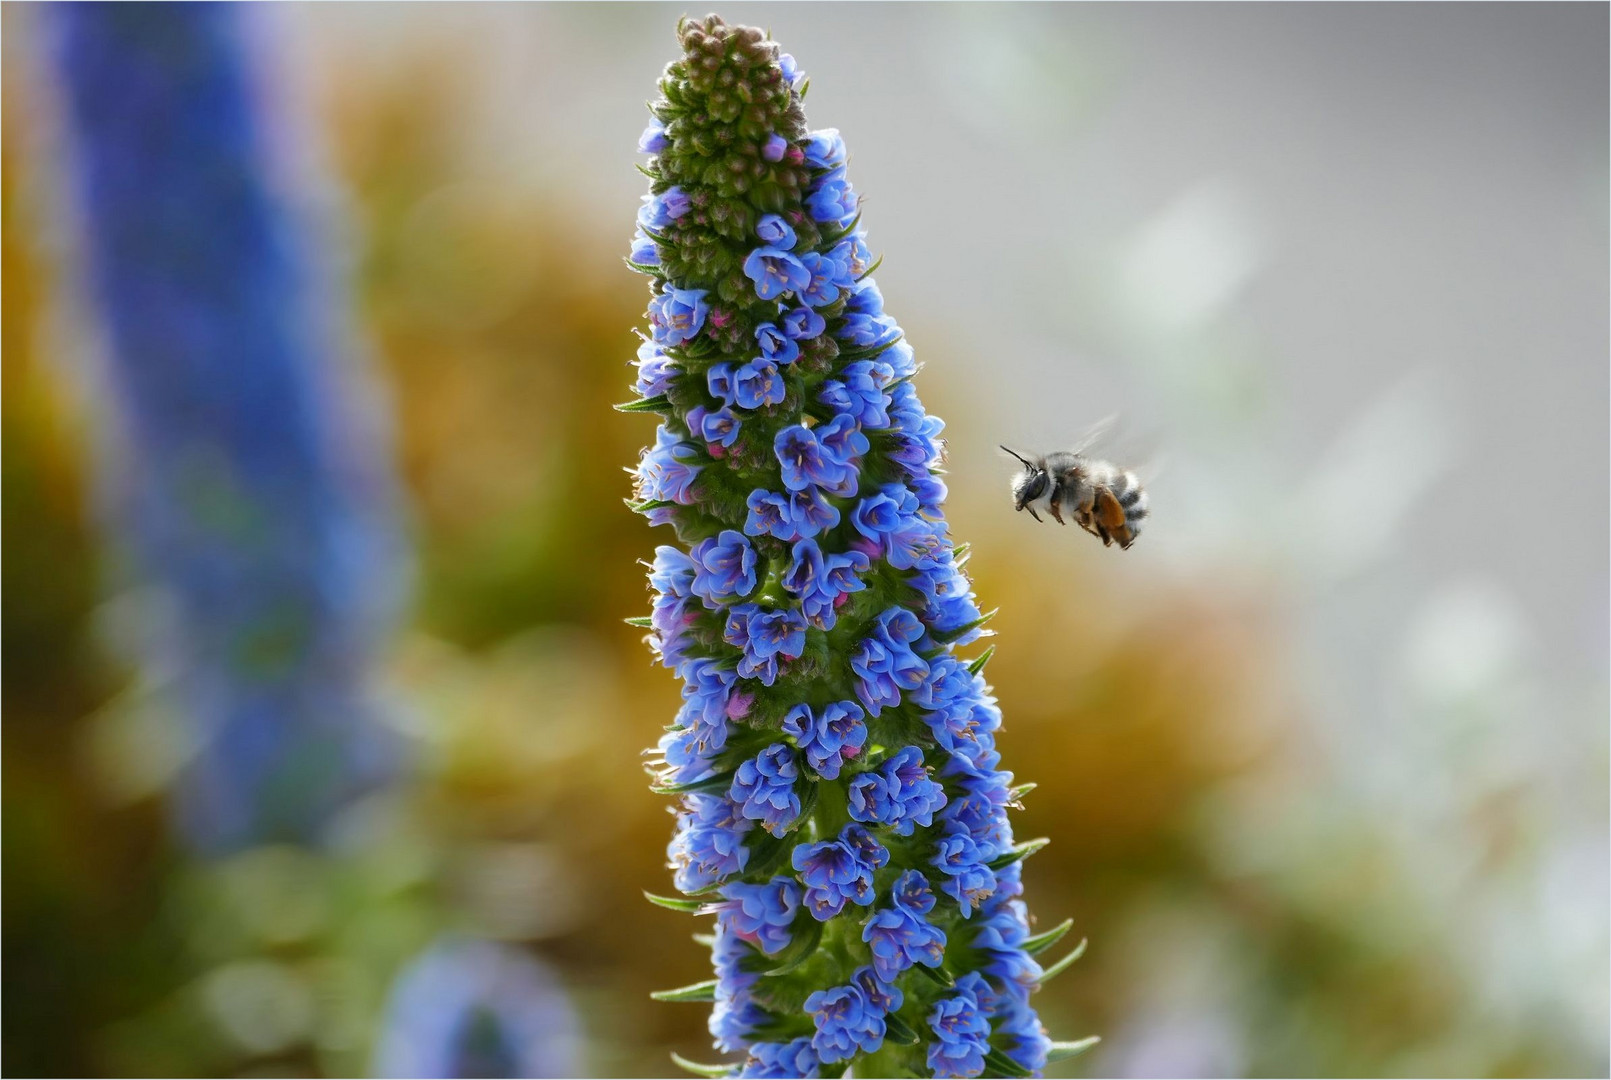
1127, 489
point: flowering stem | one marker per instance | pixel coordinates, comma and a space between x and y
841, 810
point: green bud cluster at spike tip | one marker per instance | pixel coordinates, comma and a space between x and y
841, 812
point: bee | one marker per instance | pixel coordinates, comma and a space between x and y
1103, 499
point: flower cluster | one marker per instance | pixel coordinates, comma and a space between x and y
842, 811
253, 499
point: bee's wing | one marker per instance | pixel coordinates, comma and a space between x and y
1095, 434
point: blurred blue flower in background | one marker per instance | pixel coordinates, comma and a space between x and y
249, 488
476, 1008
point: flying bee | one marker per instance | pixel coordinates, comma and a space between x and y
1103, 499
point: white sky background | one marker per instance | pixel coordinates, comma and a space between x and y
1345, 266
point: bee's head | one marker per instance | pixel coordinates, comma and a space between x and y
1028, 485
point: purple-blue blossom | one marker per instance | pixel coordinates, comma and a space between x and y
899, 935
839, 871
775, 345
899, 794
677, 315
775, 233
803, 324
775, 272
653, 140
833, 201
825, 149
961, 1030
781, 1061
709, 843
822, 289
762, 914
807, 463
821, 582
791, 516
968, 879
828, 736
724, 568
758, 383
764, 788
845, 1023
859, 393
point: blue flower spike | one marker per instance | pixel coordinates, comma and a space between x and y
841, 810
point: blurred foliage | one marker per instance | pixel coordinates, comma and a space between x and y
1233, 916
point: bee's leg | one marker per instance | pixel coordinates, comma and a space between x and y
1032, 513
1102, 531
1056, 497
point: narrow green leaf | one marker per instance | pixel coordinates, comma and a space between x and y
962, 631
982, 659
719, 782
1064, 964
897, 1031
644, 621
659, 401
1019, 852
1041, 942
646, 171
693, 907
804, 87
939, 975
868, 272
656, 237
1021, 790
701, 1070
867, 352
1062, 1051
646, 505
644, 268
700, 991
1003, 1065
834, 238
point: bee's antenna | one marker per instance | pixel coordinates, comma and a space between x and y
1020, 457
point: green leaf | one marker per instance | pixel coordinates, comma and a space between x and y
962, 631
898, 1031
1002, 1065
659, 401
1019, 851
800, 949
867, 352
1041, 942
868, 272
700, 1070
644, 268
693, 907
699, 991
644, 621
1021, 790
646, 171
719, 782
979, 662
834, 238
939, 975
1064, 964
1062, 1051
